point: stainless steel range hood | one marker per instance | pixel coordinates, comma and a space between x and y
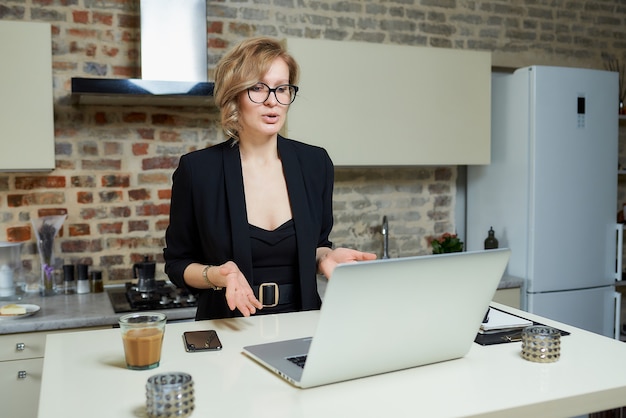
173, 61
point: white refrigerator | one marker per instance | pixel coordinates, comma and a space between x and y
550, 192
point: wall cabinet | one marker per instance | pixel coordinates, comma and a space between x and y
378, 104
26, 101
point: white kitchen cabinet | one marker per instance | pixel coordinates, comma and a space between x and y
26, 101
382, 105
509, 297
21, 367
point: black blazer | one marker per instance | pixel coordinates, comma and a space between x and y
209, 225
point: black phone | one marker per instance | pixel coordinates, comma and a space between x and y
201, 341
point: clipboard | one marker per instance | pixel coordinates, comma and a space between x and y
507, 335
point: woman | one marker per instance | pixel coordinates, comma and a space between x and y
250, 217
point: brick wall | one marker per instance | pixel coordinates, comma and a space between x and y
114, 164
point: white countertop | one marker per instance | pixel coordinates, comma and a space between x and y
489, 381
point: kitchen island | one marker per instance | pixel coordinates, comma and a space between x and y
22, 341
489, 381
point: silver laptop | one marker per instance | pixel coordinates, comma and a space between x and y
386, 315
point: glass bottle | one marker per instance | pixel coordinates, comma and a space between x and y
491, 242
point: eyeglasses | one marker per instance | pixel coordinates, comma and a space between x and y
285, 93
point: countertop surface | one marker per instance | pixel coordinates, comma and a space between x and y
59, 312
490, 381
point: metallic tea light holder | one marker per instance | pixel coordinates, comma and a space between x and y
541, 344
170, 395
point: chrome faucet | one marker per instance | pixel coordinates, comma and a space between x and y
385, 232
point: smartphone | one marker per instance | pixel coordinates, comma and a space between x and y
201, 341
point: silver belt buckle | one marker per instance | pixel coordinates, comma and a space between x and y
276, 294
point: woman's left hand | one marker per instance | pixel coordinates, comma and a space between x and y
331, 259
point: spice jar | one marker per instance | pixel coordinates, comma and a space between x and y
69, 285
82, 285
96, 282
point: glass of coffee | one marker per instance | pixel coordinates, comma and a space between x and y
142, 335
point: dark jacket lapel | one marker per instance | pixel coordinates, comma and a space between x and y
237, 209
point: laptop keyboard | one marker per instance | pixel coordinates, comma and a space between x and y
298, 360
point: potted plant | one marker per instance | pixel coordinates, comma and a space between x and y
446, 243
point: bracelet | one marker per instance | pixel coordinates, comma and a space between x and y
206, 279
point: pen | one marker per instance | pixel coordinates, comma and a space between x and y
486, 318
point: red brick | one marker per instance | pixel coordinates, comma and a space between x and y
89, 213
110, 51
138, 226
135, 117
111, 260
51, 212
18, 233
104, 164
111, 196
110, 228
163, 119
84, 197
103, 18
36, 182
162, 224
138, 194
215, 27
154, 178
141, 148
165, 194
90, 50
132, 242
65, 165
128, 21
170, 136
89, 148
217, 43
146, 133
83, 181
149, 209
113, 148
120, 180
121, 212
125, 71
81, 246
158, 163
78, 230
80, 16
100, 118
83, 33
44, 198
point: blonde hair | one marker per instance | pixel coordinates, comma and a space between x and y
241, 68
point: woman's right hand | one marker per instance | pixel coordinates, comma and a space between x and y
239, 294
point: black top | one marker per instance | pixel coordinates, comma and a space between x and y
209, 225
275, 259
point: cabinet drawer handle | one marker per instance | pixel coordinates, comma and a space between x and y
20, 347
21, 374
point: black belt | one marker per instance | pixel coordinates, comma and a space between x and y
271, 294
